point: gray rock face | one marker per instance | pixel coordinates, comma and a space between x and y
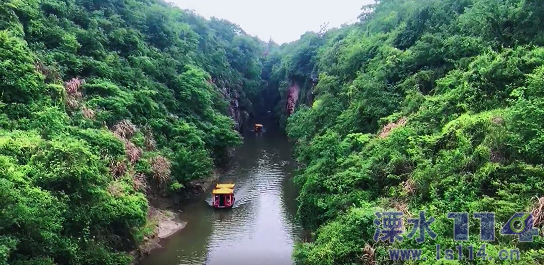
240, 117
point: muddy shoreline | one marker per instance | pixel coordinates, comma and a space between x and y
163, 218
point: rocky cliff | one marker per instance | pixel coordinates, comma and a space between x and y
292, 97
239, 115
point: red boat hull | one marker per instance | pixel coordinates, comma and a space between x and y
223, 201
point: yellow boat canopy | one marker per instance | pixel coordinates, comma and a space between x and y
258, 125
224, 186
223, 191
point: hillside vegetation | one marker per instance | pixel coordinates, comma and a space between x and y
433, 105
101, 100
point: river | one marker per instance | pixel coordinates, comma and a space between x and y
259, 229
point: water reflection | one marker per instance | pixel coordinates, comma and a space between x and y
259, 229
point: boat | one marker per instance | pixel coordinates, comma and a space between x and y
225, 186
258, 128
223, 196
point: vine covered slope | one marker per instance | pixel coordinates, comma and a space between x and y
431, 105
100, 101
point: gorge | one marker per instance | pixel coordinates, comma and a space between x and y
114, 110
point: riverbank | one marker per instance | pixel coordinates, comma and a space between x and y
163, 223
162, 218
260, 229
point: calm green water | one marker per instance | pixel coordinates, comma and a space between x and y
259, 230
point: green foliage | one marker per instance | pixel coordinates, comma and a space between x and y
423, 105
339, 241
57, 204
175, 186
20, 83
91, 93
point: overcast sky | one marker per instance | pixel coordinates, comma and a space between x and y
281, 20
